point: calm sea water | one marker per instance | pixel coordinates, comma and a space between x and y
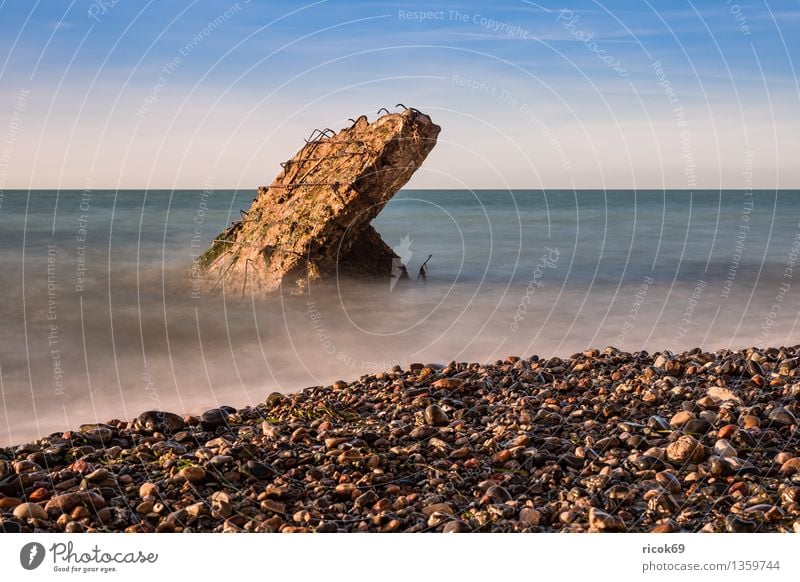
97, 320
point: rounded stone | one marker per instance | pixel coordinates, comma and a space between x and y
148, 490
680, 418
724, 448
686, 449
530, 516
192, 474
30, 511
74, 527
782, 416
159, 421
214, 418
435, 416
601, 521
668, 481
749, 421
498, 494
736, 524
790, 467
649, 463
697, 426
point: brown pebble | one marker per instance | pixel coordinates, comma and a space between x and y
601, 521
148, 490
686, 449
30, 510
667, 527
530, 516
437, 507
272, 505
749, 421
681, 418
448, 384
9, 502
192, 474
790, 467
668, 481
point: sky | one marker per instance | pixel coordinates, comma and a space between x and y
196, 94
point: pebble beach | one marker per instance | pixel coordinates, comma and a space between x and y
603, 441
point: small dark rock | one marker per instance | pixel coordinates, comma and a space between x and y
435, 416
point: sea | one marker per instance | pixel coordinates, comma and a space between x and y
99, 318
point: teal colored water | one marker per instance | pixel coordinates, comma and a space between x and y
98, 321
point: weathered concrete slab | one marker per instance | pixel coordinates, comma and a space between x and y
313, 221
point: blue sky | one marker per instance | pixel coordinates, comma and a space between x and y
134, 94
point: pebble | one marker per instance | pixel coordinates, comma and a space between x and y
782, 416
98, 475
602, 440
29, 510
721, 394
9, 503
148, 489
191, 474
159, 421
736, 524
214, 418
668, 526
603, 522
448, 384
67, 502
790, 467
723, 448
8, 526
686, 449
748, 421
697, 427
498, 494
680, 418
272, 505
435, 416
649, 463
345, 489
438, 508
455, 526
669, 482
530, 516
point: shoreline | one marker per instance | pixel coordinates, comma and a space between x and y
601, 441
